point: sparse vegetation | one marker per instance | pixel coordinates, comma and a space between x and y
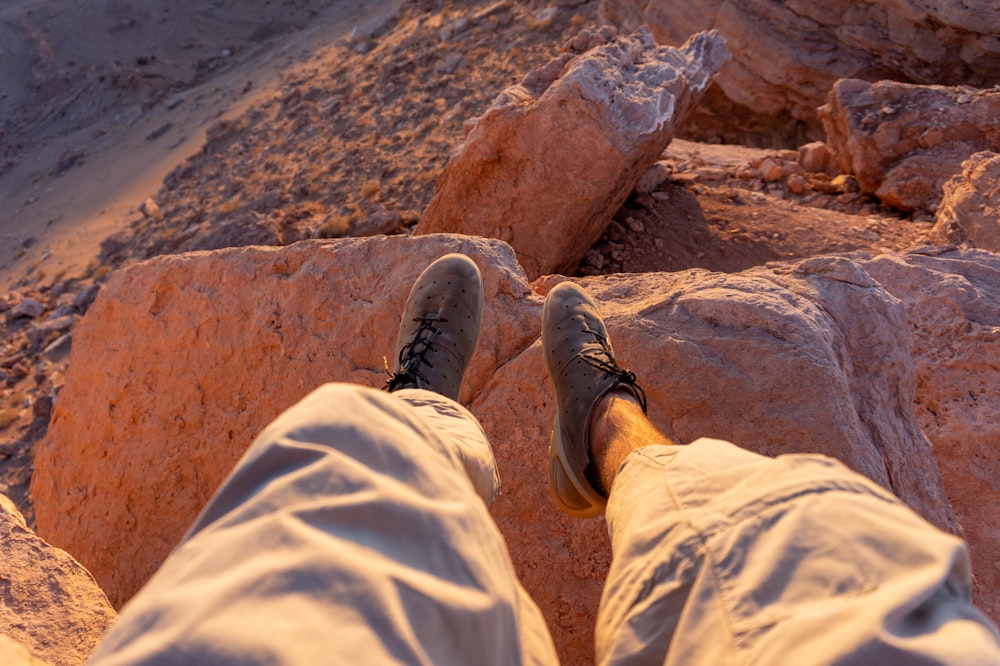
370, 189
7, 416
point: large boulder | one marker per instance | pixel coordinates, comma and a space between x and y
51, 609
787, 55
591, 122
216, 346
903, 141
183, 359
970, 209
952, 303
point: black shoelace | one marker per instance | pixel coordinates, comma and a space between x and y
413, 354
604, 360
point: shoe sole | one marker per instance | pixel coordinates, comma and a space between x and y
573, 493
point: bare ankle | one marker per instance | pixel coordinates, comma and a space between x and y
618, 426
611, 419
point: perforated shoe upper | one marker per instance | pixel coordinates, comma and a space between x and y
439, 327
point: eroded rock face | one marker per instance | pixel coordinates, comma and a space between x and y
952, 302
903, 141
787, 55
811, 356
592, 120
970, 210
51, 609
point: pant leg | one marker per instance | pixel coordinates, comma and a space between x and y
354, 531
722, 556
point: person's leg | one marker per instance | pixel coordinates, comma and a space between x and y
345, 535
354, 530
724, 556
618, 426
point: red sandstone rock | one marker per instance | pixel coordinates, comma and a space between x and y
952, 302
903, 141
772, 170
592, 123
970, 210
226, 341
815, 157
812, 356
787, 55
51, 610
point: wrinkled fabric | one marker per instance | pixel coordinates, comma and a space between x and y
723, 556
355, 530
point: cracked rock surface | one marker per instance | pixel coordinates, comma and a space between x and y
592, 120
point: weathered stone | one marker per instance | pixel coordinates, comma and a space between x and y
903, 141
58, 349
653, 178
51, 609
812, 356
63, 311
815, 157
594, 123
952, 302
772, 170
50, 329
452, 30
787, 55
797, 183
28, 307
149, 208
970, 210
83, 300
319, 311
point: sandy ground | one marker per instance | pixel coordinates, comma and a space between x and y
71, 180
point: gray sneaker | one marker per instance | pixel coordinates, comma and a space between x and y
439, 328
582, 367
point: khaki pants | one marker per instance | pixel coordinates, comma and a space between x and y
355, 531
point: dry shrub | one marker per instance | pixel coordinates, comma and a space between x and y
334, 226
371, 189
7, 416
